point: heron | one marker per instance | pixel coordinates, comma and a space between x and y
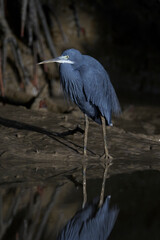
86, 82
91, 222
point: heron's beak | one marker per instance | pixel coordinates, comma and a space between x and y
61, 59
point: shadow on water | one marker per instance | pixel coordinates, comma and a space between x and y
40, 212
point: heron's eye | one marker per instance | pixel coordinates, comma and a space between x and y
67, 57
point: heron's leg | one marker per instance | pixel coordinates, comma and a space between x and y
85, 135
103, 184
107, 161
104, 136
84, 184
85, 161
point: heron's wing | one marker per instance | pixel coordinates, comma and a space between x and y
73, 228
70, 231
107, 217
99, 91
88, 225
101, 225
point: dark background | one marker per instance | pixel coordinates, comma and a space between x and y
123, 35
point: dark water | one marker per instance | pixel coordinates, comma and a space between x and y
40, 212
41, 178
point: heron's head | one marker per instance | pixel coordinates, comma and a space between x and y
70, 56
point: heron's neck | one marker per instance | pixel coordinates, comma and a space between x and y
70, 80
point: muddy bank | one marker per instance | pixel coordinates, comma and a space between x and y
43, 146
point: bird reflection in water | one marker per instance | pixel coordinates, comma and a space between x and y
91, 222
87, 84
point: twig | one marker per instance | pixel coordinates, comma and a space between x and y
47, 212
23, 15
46, 29
76, 18
1, 78
11, 214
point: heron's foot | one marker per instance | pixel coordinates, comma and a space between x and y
107, 157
